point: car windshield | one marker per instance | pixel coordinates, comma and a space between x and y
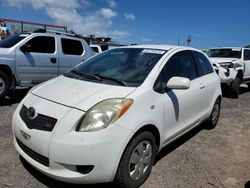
12, 40
122, 66
227, 52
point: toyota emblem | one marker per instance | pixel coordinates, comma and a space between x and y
31, 113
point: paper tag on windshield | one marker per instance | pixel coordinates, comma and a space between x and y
236, 49
151, 51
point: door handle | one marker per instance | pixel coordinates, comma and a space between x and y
53, 60
202, 86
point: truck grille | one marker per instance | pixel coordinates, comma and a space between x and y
40, 122
36, 156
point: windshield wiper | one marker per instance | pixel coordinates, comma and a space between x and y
120, 82
88, 76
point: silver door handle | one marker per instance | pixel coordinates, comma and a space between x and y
202, 86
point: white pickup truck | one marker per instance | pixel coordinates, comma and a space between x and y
29, 58
233, 66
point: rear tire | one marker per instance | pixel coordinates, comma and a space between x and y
137, 161
214, 116
235, 88
4, 84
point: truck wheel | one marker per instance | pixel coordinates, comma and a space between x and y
235, 88
248, 86
4, 84
137, 161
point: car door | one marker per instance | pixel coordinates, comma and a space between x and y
247, 63
206, 73
182, 107
73, 53
38, 62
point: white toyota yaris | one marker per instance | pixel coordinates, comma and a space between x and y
106, 119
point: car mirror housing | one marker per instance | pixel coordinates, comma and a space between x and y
179, 83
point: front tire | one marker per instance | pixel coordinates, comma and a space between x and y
235, 88
137, 161
214, 116
4, 84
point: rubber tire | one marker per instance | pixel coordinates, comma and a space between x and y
235, 88
5, 78
122, 178
248, 85
209, 123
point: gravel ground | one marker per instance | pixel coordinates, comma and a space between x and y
202, 158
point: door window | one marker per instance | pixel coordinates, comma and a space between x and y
203, 65
72, 47
42, 44
246, 54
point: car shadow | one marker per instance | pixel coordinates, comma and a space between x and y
52, 183
178, 142
14, 97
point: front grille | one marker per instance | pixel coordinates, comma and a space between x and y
40, 122
36, 156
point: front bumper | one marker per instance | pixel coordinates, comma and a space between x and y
65, 148
227, 75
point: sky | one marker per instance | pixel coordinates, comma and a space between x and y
211, 23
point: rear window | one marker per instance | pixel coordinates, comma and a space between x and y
72, 47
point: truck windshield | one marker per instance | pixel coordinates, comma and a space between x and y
127, 66
227, 52
12, 40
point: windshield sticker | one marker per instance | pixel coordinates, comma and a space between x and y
150, 51
236, 49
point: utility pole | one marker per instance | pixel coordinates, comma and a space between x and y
189, 39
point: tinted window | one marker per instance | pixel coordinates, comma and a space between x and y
181, 64
72, 47
246, 54
226, 52
11, 41
95, 49
42, 44
203, 64
130, 65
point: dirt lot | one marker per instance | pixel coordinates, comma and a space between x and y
202, 158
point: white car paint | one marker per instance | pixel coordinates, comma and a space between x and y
173, 113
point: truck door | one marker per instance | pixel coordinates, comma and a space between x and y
73, 53
36, 60
247, 63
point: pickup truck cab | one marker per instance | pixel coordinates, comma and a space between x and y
27, 59
233, 66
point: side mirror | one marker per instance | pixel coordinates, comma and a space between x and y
179, 83
25, 48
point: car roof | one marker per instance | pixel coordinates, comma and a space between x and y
158, 47
227, 48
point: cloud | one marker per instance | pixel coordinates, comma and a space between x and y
107, 12
77, 15
112, 3
146, 40
129, 16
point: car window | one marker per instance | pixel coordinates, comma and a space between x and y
95, 49
203, 65
72, 47
12, 40
225, 52
181, 64
42, 44
246, 54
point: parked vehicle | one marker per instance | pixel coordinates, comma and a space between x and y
29, 58
233, 67
99, 48
107, 118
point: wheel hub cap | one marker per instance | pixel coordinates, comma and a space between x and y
140, 160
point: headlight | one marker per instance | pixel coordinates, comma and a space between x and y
103, 114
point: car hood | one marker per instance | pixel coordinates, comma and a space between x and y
77, 93
222, 60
